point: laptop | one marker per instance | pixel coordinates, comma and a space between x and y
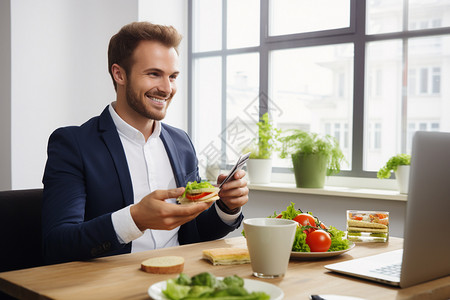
426, 243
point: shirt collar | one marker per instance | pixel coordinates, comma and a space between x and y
129, 131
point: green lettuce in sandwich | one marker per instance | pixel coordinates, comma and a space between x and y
199, 192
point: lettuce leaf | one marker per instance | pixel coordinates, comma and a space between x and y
338, 242
176, 291
194, 185
300, 242
206, 286
290, 212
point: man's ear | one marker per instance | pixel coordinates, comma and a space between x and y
119, 74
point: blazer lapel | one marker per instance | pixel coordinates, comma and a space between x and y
112, 140
173, 156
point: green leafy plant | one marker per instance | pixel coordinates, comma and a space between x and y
392, 165
266, 143
302, 142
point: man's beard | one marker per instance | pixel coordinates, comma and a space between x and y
139, 106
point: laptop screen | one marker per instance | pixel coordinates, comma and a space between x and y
427, 231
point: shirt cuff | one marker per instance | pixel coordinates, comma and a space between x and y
226, 218
126, 229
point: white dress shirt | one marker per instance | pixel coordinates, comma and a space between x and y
150, 170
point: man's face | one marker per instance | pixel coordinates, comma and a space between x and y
151, 82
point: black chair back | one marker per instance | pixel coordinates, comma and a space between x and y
20, 229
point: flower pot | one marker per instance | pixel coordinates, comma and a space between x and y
259, 170
402, 176
310, 170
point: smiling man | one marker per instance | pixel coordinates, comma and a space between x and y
110, 184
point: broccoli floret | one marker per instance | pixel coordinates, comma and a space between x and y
183, 279
234, 281
205, 279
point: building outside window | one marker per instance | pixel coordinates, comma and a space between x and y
369, 73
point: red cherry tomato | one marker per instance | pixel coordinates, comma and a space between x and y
318, 241
305, 219
279, 216
196, 196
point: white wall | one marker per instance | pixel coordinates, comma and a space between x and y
330, 209
59, 74
172, 12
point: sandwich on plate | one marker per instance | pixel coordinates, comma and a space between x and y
199, 192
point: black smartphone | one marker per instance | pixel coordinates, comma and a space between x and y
239, 164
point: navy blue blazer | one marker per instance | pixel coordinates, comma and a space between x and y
86, 178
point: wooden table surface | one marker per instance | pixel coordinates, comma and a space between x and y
119, 277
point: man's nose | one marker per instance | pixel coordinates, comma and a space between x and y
165, 86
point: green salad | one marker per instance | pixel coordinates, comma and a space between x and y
308, 223
206, 286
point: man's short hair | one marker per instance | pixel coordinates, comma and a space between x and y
122, 44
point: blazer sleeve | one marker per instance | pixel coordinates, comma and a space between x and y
68, 234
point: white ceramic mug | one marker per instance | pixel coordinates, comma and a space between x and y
269, 242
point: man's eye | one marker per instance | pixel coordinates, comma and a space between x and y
154, 74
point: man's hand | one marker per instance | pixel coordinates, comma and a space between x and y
234, 193
152, 212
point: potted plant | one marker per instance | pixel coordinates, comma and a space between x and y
313, 156
400, 165
259, 165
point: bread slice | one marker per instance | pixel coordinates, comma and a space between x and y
354, 223
227, 256
366, 229
163, 265
209, 198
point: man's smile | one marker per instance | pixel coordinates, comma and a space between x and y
157, 100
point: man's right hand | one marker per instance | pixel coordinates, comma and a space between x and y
152, 212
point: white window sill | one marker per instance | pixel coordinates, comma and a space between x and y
331, 191
369, 188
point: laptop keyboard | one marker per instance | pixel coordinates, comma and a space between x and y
391, 270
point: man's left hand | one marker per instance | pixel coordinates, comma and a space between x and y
234, 193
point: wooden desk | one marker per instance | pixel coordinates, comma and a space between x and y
119, 277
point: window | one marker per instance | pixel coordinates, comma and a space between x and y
368, 73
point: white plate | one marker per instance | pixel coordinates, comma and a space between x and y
275, 293
321, 254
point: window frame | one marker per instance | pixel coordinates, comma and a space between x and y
355, 33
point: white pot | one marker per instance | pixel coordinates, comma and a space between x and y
259, 170
402, 175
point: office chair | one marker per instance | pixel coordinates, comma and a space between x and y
20, 229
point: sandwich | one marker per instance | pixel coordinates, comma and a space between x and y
227, 256
199, 192
365, 225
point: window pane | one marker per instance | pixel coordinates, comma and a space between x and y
312, 88
207, 27
384, 16
424, 14
429, 109
207, 95
382, 108
243, 23
242, 102
299, 16
243, 86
